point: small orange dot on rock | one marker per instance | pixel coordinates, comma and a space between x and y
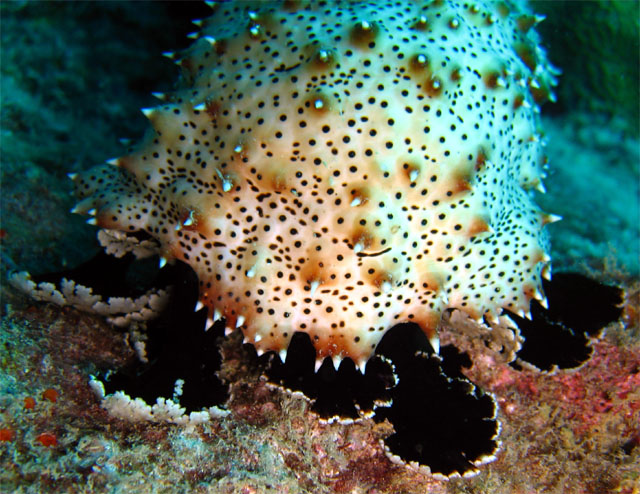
29, 403
7, 435
47, 439
50, 394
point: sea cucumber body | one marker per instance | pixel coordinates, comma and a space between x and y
337, 168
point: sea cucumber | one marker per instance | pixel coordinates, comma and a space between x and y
336, 168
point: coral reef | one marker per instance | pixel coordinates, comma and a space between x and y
575, 431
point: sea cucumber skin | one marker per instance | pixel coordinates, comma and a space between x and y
338, 168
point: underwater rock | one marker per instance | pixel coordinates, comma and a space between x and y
339, 168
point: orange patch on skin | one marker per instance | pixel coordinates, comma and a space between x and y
109, 221
363, 237
277, 180
313, 270
212, 108
518, 101
462, 184
527, 54
433, 86
221, 46
380, 278
492, 79
538, 256
544, 159
361, 194
526, 22
540, 95
478, 225
230, 307
472, 312
461, 177
337, 344
323, 59
481, 160
432, 280
418, 63
528, 290
421, 24
190, 220
364, 33
503, 9
318, 103
123, 162
292, 5
428, 320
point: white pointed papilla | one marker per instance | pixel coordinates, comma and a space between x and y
217, 314
227, 184
434, 341
540, 187
313, 286
147, 112
208, 324
361, 365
